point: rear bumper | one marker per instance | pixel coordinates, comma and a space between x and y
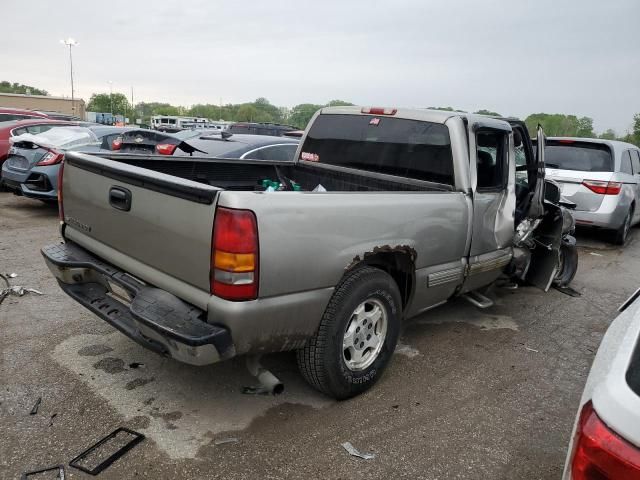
611, 213
154, 318
38, 182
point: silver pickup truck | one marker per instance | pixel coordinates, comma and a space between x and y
385, 214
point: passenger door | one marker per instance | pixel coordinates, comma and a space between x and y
491, 148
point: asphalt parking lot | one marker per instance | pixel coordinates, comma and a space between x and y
469, 394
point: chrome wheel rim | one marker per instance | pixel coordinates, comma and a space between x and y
364, 335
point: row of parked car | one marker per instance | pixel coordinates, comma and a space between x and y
600, 177
32, 149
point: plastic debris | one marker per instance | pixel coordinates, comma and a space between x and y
136, 365
595, 254
354, 452
531, 349
255, 391
34, 410
224, 441
568, 291
16, 290
319, 188
58, 468
82, 461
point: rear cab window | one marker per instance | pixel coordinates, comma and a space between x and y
578, 156
412, 149
635, 161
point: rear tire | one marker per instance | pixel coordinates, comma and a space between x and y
620, 235
357, 335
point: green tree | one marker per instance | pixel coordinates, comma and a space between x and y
103, 102
246, 113
8, 87
339, 103
560, 125
608, 135
266, 111
446, 109
635, 136
482, 111
301, 114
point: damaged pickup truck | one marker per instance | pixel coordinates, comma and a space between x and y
385, 214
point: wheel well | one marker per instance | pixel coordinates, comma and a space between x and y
399, 264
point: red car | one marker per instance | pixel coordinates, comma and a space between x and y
14, 128
11, 114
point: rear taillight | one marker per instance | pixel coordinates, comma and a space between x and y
165, 148
601, 454
116, 144
234, 255
50, 158
379, 110
603, 188
60, 207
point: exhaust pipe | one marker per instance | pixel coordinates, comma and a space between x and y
269, 383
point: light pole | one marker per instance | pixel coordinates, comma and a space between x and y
70, 42
111, 95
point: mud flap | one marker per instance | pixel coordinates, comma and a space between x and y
545, 256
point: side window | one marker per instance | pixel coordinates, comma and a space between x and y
625, 166
9, 117
18, 131
283, 153
491, 156
635, 161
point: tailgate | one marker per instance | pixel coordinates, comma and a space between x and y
160, 220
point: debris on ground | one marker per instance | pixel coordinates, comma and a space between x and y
16, 290
34, 410
136, 365
255, 391
595, 254
58, 468
224, 441
116, 439
568, 291
354, 452
51, 419
531, 349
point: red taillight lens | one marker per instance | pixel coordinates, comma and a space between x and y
601, 454
116, 144
60, 207
234, 258
603, 188
50, 158
379, 110
165, 148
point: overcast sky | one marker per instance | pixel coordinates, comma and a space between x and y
513, 57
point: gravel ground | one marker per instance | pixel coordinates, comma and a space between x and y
469, 394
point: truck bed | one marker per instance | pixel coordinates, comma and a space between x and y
247, 175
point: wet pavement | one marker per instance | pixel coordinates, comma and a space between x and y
469, 394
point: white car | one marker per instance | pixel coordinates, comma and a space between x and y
606, 435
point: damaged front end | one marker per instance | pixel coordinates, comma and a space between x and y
544, 246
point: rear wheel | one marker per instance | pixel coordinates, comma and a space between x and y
357, 335
621, 234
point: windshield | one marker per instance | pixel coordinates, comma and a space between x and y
580, 156
407, 148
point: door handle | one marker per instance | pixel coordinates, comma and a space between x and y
120, 198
